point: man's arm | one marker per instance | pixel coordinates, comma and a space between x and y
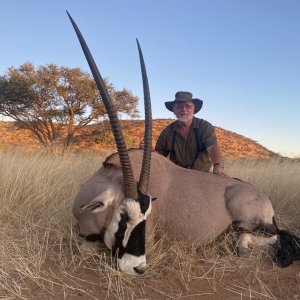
161, 144
215, 155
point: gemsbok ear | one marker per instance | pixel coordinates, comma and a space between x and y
93, 207
99, 203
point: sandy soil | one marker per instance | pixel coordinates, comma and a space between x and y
238, 279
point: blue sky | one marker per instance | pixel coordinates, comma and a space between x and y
242, 58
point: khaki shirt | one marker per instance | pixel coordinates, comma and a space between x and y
185, 151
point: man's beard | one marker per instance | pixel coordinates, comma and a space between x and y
184, 118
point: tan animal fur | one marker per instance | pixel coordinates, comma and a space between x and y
191, 204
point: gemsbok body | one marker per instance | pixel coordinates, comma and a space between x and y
115, 202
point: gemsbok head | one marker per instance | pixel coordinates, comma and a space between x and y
124, 235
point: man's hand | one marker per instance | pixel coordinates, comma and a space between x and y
220, 171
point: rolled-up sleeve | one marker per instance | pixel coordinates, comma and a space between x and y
208, 135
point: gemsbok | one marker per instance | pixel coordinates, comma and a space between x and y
193, 205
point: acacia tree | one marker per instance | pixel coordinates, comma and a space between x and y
55, 103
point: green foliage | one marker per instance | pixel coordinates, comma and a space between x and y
104, 137
55, 102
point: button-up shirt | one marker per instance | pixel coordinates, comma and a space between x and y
184, 152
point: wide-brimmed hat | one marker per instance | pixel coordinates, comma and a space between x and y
184, 97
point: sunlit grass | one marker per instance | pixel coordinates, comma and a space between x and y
279, 179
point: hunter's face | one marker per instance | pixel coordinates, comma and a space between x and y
184, 111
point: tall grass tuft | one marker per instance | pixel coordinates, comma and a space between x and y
279, 179
35, 217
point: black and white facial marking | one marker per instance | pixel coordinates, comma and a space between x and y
125, 235
288, 249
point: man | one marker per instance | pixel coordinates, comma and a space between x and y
190, 142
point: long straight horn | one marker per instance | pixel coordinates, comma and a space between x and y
145, 170
129, 183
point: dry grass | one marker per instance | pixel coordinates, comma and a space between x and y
41, 256
279, 179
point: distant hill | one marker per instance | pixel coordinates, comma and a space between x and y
97, 138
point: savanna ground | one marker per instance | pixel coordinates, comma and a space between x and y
43, 258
